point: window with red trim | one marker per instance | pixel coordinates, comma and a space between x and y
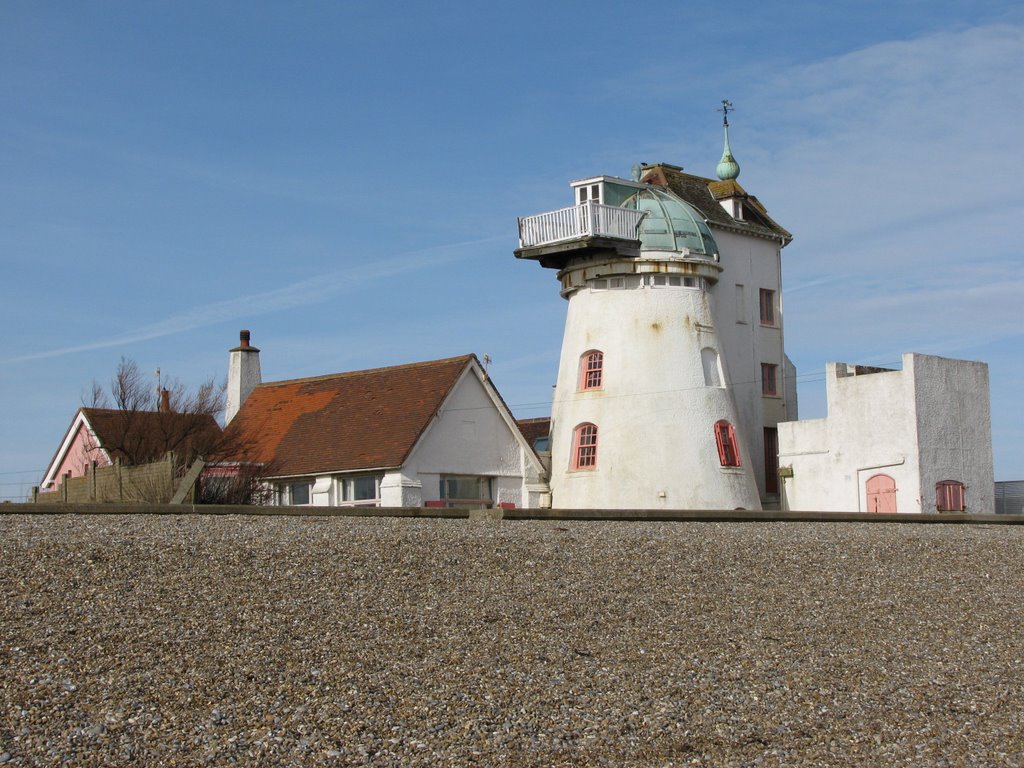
584, 447
769, 379
591, 369
767, 307
725, 437
949, 496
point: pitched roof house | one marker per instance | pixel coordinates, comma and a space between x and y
105, 435
434, 433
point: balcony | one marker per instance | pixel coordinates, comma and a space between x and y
554, 237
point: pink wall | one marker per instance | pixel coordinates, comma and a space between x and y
81, 451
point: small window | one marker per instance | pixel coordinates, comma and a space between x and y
296, 494
590, 193
584, 447
464, 491
769, 379
725, 437
591, 370
599, 285
361, 491
949, 496
767, 307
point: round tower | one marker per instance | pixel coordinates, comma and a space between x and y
643, 413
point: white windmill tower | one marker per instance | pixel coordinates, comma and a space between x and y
643, 413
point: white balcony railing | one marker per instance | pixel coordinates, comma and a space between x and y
586, 219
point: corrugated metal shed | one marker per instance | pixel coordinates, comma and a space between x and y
1010, 497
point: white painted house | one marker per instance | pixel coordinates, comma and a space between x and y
433, 434
912, 440
673, 374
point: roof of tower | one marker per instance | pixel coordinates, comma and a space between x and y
672, 224
704, 195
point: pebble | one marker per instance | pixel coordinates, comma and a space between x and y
389, 642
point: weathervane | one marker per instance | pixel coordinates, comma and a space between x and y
724, 109
728, 169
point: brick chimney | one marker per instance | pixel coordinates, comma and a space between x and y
165, 401
243, 375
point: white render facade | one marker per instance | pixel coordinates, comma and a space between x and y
913, 440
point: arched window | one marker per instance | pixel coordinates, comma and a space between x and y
725, 436
949, 496
591, 369
584, 447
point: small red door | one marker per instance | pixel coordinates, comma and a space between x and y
881, 494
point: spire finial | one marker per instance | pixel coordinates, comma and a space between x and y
728, 169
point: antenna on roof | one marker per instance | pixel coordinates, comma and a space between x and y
159, 383
487, 360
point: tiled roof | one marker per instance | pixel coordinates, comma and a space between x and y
534, 428
342, 422
704, 194
144, 436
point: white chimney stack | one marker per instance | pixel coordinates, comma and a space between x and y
243, 375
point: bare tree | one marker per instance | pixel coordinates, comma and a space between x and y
139, 423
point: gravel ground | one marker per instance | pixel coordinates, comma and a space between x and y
190, 640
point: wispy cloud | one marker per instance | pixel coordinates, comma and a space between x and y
299, 294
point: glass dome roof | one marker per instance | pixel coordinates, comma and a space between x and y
671, 224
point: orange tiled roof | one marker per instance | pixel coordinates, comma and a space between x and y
341, 422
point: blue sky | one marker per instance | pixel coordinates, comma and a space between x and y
343, 178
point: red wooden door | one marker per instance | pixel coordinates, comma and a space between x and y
881, 494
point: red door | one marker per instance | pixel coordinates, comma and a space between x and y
881, 494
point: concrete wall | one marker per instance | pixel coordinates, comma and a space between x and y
951, 400
153, 483
925, 423
754, 263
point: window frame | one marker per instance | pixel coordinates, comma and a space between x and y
286, 494
344, 487
770, 379
584, 447
725, 440
767, 309
484, 501
591, 376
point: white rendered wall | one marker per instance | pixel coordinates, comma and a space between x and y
926, 423
754, 263
654, 413
471, 437
869, 430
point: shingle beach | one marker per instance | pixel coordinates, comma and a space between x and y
295, 641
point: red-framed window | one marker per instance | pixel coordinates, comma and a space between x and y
949, 496
769, 379
767, 307
591, 369
725, 437
584, 447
